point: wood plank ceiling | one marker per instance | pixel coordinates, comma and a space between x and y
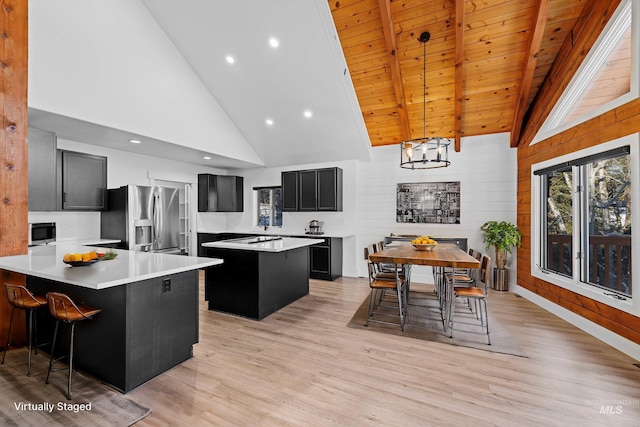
486, 60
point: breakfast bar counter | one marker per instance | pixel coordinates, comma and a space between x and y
149, 303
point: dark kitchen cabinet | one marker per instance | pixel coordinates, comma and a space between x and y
42, 170
290, 191
308, 191
312, 190
220, 193
325, 259
84, 181
329, 192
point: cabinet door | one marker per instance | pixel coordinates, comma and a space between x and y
308, 190
289, 191
84, 181
42, 170
229, 193
320, 259
329, 189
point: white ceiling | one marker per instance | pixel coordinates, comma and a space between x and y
306, 72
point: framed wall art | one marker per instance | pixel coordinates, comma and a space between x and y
428, 202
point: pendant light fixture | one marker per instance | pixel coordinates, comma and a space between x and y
425, 153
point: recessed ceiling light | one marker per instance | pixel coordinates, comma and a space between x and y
308, 114
273, 42
269, 122
230, 59
207, 158
135, 141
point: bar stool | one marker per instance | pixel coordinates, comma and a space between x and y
63, 309
19, 297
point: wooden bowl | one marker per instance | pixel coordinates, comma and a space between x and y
424, 247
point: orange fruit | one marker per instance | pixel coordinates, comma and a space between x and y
77, 257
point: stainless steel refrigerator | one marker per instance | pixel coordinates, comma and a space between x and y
143, 218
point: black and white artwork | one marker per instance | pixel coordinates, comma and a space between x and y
429, 202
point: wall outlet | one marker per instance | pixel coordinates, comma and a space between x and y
166, 285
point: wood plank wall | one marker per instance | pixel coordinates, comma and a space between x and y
622, 121
13, 154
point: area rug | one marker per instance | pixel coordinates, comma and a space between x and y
28, 401
424, 322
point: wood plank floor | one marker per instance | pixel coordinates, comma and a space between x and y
304, 366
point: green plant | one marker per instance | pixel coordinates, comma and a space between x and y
502, 235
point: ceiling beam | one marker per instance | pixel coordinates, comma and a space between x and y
459, 76
535, 41
394, 65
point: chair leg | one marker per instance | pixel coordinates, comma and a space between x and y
53, 347
6, 347
486, 321
73, 327
372, 296
30, 339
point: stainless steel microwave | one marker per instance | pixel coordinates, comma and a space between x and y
42, 233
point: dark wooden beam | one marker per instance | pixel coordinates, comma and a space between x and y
394, 65
535, 41
459, 75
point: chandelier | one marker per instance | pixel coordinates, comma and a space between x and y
425, 153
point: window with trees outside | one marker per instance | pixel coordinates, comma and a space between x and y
584, 221
269, 206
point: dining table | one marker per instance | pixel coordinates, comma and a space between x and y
440, 257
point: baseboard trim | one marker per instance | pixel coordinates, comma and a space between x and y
622, 344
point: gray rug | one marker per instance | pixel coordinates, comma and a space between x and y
424, 322
23, 399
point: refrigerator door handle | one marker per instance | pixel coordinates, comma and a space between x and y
156, 224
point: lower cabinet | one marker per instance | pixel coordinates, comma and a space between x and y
325, 259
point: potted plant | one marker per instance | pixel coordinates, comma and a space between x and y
502, 236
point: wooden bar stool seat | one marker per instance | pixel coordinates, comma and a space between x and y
19, 297
63, 309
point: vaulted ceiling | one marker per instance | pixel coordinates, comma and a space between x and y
485, 62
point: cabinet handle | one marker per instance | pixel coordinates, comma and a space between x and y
64, 197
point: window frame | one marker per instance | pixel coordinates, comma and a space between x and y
538, 209
257, 206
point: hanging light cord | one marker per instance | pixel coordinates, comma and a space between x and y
424, 84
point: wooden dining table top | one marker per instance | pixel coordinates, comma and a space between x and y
440, 256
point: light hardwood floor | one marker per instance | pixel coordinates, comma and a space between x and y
304, 366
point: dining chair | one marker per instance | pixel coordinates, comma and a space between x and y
377, 301
478, 293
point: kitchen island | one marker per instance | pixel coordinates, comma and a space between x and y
260, 274
149, 302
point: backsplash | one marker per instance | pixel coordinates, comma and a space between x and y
71, 225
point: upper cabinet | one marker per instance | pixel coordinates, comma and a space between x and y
84, 181
60, 179
220, 193
42, 170
312, 190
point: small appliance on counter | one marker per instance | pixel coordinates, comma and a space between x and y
41, 233
315, 227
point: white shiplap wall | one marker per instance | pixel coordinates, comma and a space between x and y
487, 170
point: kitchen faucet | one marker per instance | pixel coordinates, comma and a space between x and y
266, 227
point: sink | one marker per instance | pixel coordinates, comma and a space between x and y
256, 239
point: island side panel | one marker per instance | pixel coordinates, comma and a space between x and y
284, 278
162, 325
232, 287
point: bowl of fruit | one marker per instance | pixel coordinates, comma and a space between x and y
80, 260
424, 243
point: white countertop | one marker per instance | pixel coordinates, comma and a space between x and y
129, 266
88, 242
275, 231
281, 245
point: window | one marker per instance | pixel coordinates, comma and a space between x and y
269, 206
583, 221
